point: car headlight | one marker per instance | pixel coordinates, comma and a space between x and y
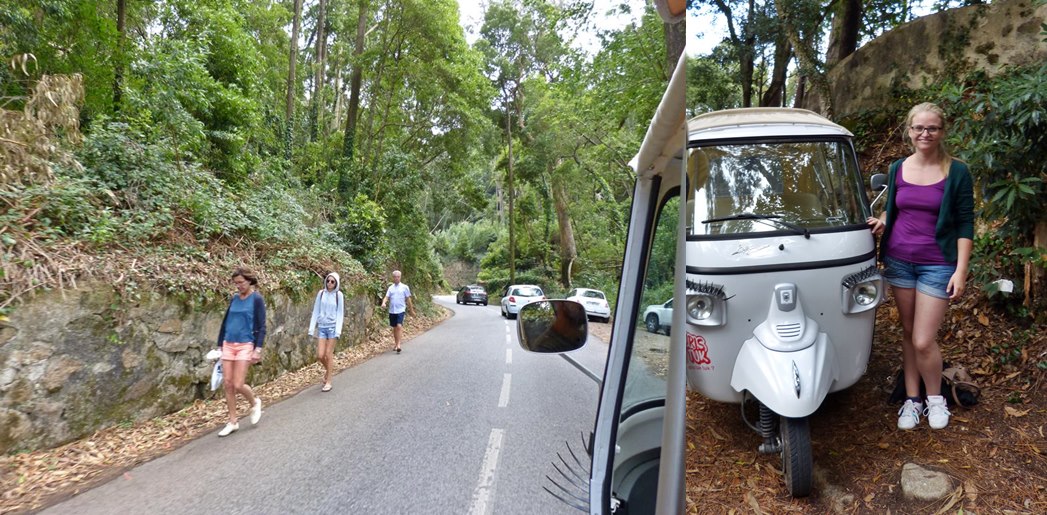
862, 291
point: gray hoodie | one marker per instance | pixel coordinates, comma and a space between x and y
329, 308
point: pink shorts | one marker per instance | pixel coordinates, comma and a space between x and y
237, 351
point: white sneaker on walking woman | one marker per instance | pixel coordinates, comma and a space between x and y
937, 412
229, 429
256, 410
909, 415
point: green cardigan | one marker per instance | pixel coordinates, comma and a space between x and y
956, 217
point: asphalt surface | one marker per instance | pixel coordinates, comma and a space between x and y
462, 422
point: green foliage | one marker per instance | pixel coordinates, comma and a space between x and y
467, 241
361, 229
1001, 131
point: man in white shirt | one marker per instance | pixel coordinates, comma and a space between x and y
398, 298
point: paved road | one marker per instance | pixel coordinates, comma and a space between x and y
463, 422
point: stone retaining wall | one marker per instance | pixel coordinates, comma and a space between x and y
73, 362
989, 38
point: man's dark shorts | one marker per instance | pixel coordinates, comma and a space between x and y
396, 319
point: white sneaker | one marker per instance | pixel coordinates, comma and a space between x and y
937, 412
256, 410
909, 415
229, 429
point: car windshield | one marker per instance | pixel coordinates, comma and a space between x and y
593, 294
759, 187
476, 289
528, 291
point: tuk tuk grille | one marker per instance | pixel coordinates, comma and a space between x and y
786, 331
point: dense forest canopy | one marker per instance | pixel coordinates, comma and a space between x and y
303, 135
183, 137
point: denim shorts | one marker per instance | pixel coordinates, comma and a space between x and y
396, 319
325, 333
927, 279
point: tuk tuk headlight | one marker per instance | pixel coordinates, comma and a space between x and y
862, 291
706, 305
866, 293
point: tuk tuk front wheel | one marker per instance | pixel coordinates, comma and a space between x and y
797, 462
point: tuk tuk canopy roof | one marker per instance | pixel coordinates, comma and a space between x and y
761, 121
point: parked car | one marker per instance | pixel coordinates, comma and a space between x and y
594, 301
472, 293
658, 317
517, 296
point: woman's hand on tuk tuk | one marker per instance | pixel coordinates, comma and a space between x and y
875, 225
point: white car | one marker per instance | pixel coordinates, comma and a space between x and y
658, 316
517, 296
594, 301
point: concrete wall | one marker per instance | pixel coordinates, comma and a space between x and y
73, 362
950, 43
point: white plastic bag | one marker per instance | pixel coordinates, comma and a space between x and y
216, 376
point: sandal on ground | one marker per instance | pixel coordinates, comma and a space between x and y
397, 350
326, 388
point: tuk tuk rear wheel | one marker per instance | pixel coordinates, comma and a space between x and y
797, 462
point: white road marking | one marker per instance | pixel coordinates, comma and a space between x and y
508, 356
484, 491
503, 399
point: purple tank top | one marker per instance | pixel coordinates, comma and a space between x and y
912, 238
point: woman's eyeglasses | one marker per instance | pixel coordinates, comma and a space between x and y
919, 129
330, 282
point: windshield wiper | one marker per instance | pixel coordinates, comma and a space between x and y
762, 218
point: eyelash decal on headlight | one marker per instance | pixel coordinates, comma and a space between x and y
851, 280
715, 290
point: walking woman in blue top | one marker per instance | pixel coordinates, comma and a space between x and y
928, 233
328, 312
241, 338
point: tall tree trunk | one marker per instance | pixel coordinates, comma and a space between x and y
775, 94
747, 56
808, 58
801, 91
349, 139
568, 247
510, 193
843, 37
121, 47
675, 41
318, 79
292, 62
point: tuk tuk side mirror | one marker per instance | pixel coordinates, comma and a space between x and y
552, 326
878, 183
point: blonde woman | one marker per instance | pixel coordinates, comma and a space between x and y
928, 234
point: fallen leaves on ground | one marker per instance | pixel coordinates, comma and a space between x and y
993, 451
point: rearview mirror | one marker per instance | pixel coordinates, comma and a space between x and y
553, 326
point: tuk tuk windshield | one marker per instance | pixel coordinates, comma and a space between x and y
773, 186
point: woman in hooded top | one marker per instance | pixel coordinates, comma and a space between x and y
326, 323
